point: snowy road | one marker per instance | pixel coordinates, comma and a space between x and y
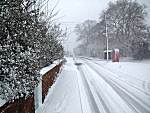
112, 93
93, 88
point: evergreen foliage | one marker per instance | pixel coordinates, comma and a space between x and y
25, 47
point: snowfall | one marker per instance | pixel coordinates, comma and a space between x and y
90, 85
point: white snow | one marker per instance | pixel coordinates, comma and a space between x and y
107, 93
132, 78
108, 51
46, 69
64, 96
38, 89
98, 86
139, 70
2, 102
136, 70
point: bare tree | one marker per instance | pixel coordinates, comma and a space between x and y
85, 34
125, 20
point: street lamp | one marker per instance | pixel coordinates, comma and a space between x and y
106, 37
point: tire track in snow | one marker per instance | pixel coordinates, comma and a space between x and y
101, 99
79, 94
145, 84
91, 99
128, 83
125, 95
107, 107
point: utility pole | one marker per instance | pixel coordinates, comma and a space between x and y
106, 37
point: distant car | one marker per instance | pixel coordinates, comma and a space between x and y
78, 63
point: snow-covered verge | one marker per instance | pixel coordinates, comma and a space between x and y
137, 70
130, 59
143, 61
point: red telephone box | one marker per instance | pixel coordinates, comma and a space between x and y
115, 55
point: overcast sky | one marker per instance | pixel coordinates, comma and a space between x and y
72, 12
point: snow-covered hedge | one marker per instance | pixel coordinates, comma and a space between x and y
26, 45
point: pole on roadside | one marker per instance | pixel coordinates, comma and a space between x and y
106, 37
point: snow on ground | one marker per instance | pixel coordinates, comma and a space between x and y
64, 96
46, 69
127, 67
97, 86
2, 102
136, 70
144, 61
128, 80
106, 99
